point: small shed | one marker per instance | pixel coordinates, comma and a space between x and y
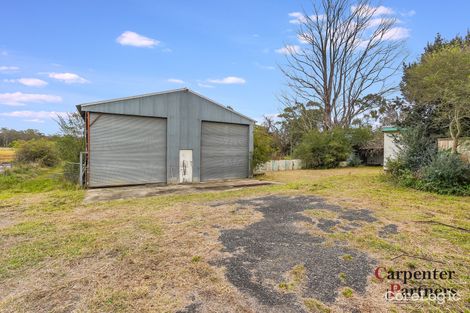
372, 153
176, 136
391, 146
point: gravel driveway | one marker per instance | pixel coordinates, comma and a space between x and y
263, 252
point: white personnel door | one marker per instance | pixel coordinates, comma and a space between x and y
186, 166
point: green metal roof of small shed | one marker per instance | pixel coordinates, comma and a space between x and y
390, 129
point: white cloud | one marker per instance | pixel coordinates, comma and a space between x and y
299, 18
33, 116
289, 49
6, 69
175, 81
397, 33
4, 53
205, 85
19, 98
380, 10
30, 82
377, 21
229, 80
363, 43
68, 78
35, 120
129, 38
409, 13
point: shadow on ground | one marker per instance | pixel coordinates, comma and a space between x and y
262, 254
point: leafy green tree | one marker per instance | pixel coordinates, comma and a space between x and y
324, 149
440, 84
291, 124
263, 146
359, 136
72, 142
69, 148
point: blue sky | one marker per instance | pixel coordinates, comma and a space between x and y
56, 54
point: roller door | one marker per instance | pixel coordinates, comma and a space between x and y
224, 151
126, 150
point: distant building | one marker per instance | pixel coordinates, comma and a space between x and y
391, 146
372, 153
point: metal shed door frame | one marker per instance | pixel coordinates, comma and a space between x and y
201, 149
89, 153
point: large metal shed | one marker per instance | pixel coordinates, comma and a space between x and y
176, 136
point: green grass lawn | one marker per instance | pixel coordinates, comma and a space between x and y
150, 254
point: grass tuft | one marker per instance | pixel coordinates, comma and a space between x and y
347, 257
316, 306
347, 292
196, 259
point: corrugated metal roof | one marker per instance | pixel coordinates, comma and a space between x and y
79, 106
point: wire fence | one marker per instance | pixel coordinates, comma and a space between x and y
72, 172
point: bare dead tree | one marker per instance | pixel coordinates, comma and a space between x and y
71, 124
348, 51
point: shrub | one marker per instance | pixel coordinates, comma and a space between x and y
446, 174
440, 172
41, 151
324, 149
396, 167
69, 148
263, 143
418, 148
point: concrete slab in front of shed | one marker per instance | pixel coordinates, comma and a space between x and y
142, 191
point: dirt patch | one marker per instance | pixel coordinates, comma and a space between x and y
326, 225
263, 252
390, 229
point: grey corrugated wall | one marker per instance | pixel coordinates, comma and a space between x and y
224, 151
184, 112
127, 150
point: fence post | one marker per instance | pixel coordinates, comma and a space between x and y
82, 169
80, 179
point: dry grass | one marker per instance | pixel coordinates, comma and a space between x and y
7, 155
158, 254
146, 255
